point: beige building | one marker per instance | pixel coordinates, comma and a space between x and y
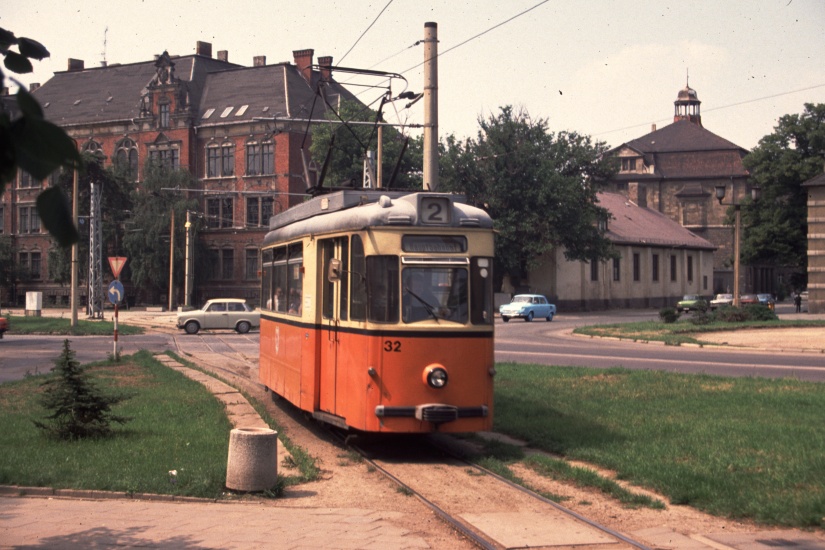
659, 262
816, 243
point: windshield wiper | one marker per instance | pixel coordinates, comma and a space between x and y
430, 309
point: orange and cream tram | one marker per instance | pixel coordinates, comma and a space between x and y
377, 311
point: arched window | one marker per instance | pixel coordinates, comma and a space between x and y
95, 149
126, 157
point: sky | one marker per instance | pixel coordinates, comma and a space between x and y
607, 69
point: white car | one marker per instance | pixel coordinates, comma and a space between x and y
721, 300
527, 306
218, 313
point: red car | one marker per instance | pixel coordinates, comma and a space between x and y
4, 326
748, 299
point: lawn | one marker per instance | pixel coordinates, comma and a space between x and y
19, 324
177, 425
735, 447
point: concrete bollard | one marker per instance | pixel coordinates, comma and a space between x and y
252, 464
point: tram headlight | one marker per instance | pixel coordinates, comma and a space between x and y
435, 376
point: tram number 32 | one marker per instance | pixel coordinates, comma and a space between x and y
392, 345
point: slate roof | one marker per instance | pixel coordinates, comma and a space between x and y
635, 225
113, 93
272, 90
102, 94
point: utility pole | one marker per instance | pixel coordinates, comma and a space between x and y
73, 290
430, 106
172, 261
187, 292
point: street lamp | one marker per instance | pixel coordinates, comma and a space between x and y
737, 237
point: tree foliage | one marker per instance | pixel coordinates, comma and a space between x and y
31, 143
539, 187
146, 240
349, 144
115, 201
78, 409
777, 224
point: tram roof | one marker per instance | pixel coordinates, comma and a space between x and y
356, 209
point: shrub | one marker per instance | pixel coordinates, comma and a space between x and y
701, 317
758, 312
668, 314
731, 314
78, 408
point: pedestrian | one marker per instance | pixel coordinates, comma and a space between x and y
797, 301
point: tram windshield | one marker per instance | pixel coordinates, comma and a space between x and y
434, 293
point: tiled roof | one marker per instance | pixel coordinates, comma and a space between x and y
815, 181
681, 136
632, 224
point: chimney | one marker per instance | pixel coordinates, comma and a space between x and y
223, 55
326, 67
259, 61
653, 127
203, 48
76, 65
303, 60
33, 86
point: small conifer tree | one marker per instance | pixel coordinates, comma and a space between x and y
78, 408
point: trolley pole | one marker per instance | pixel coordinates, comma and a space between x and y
187, 291
73, 290
171, 262
430, 106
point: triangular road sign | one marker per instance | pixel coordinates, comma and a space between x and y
116, 263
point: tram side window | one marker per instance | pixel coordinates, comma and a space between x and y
266, 278
382, 288
481, 289
279, 279
358, 303
295, 283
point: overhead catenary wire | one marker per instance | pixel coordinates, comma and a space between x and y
365, 31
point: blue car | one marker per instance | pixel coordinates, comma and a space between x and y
528, 307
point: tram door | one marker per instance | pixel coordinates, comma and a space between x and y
334, 301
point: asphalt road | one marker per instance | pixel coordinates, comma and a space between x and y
537, 342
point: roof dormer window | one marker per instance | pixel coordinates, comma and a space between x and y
629, 164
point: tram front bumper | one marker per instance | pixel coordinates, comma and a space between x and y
432, 412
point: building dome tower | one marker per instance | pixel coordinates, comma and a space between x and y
687, 106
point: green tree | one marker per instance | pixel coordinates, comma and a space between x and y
116, 200
31, 143
146, 242
539, 187
348, 144
776, 225
78, 409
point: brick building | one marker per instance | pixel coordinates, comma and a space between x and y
674, 170
229, 125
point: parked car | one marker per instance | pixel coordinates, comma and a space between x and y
4, 325
767, 300
528, 307
691, 302
748, 299
721, 300
218, 313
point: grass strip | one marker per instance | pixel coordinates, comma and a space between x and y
683, 331
63, 326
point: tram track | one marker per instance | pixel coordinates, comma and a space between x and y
490, 510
